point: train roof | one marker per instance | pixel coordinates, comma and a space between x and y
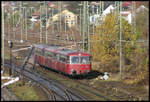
66, 51
69, 52
58, 49
47, 47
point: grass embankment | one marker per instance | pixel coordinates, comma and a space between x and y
26, 91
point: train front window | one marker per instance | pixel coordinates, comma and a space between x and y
75, 60
84, 60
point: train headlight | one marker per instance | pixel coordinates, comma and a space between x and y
73, 71
87, 70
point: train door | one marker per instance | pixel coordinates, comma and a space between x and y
57, 62
62, 64
42, 57
38, 53
54, 61
35, 55
47, 59
50, 55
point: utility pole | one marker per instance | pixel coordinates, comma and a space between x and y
60, 15
23, 17
83, 33
8, 21
120, 40
3, 9
31, 11
88, 42
93, 13
133, 15
13, 22
40, 25
52, 22
65, 21
10, 49
80, 19
21, 20
46, 20
85, 24
100, 7
65, 27
26, 24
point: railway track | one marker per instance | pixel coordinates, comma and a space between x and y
116, 97
60, 92
79, 82
66, 93
82, 84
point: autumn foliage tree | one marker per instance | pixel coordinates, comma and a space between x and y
105, 49
106, 41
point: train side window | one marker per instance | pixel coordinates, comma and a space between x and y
90, 59
39, 51
68, 59
57, 57
36, 50
46, 54
63, 58
49, 54
54, 56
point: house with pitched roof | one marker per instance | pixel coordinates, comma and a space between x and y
66, 15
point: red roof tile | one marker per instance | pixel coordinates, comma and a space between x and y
51, 4
36, 13
127, 3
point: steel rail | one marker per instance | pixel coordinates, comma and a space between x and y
49, 92
57, 89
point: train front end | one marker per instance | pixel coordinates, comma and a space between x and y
79, 64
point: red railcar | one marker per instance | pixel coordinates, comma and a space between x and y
65, 60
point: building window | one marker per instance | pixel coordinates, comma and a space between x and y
73, 22
67, 21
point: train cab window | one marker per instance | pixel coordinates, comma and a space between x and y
68, 59
90, 59
38, 51
46, 53
49, 54
75, 60
84, 60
